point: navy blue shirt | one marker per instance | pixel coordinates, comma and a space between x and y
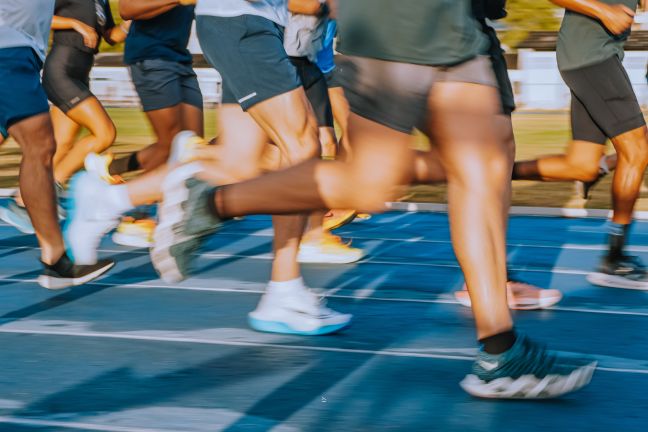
164, 37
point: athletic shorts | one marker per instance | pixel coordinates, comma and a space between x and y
164, 83
66, 76
603, 103
498, 61
248, 52
21, 93
396, 94
316, 89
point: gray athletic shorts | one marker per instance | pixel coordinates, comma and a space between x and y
163, 84
603, 102
396, 94
248, 52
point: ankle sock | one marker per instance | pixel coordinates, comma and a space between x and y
293, 284
499, 343
617, 235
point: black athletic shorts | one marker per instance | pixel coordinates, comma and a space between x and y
396, 94
248, 52
66, 76
164, 83
603, 103
316, 89
500, 69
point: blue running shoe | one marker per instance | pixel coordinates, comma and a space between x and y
526, 371
17, 217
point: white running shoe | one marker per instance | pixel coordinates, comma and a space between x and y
89, 217
296, 310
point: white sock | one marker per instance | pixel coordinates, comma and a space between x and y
289, 285
603, 165
118, 200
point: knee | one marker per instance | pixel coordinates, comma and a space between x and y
105, 136
41, 152
371, 194
584, 171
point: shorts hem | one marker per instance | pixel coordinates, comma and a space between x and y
627, 126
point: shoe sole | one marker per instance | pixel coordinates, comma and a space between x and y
171, 213
283, 328
54, 283
341, 222
131, 241
5, 216
610, 281
331, 259
544, 303
529, 386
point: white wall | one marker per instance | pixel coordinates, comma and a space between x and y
538, 84
113, 86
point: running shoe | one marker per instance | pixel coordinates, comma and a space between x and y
17, 216
296, 310
90, 218
338, 218
184, 147
624, 272
330, 249
64, 273
526, 371
135, 232
520, 295
184, 220
99, 165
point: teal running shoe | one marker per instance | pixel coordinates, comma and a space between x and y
526, 371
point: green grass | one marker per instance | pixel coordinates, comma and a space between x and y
536, 134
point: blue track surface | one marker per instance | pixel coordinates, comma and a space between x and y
131, 353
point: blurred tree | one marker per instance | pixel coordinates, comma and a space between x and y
104, 47
525, 16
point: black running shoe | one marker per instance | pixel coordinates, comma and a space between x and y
623, 272
527, 371
583, 188
64, 273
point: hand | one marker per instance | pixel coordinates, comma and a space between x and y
616, 18
187, 2
90, 37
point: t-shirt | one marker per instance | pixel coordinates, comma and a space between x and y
26, 24
164, 37
584, 41
274, 10
326, 57
94, 13
304, 35
430, 32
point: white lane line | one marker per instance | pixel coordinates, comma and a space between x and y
361, 296
219, 342
75, 425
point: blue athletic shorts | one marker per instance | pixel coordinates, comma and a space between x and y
21, 93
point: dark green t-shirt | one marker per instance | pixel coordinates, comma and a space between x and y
430, 32
584, 41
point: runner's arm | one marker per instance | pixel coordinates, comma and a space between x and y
307, 7
90, 37
617, 18
147, 9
